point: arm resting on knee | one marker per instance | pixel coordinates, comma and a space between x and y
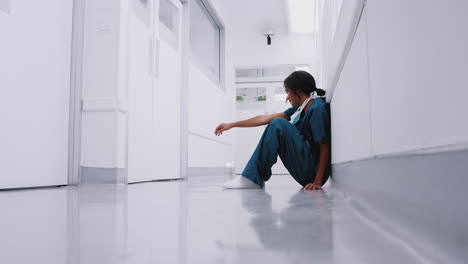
252, 122
258, 120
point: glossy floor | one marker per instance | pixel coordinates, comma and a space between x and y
191, 221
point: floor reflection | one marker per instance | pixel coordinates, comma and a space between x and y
302, 231
188, 222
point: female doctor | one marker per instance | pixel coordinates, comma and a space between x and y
300, 136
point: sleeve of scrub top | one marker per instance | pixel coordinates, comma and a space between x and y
320, 125
290, 111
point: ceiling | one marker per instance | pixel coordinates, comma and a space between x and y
254, 15
246, 21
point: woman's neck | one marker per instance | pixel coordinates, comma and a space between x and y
308, 105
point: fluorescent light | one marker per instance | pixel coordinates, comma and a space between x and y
302, 16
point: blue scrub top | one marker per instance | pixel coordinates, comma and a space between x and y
314, 126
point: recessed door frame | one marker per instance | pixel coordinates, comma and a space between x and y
76, 90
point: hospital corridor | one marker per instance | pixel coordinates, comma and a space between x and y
233, 131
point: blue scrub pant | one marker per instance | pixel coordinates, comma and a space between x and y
281, 138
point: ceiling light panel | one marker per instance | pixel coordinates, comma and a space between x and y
302, 16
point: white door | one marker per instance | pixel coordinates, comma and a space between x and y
35, 54
142, 134
257, 99
155, 88
168, 90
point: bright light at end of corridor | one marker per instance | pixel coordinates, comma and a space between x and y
302, 16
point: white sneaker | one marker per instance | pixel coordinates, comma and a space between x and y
240, 182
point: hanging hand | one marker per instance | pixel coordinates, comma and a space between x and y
222, 127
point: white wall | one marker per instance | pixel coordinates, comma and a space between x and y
418, 65
209, 104
350, 107
35, 53
411, 56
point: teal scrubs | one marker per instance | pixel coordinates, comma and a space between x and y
297, 145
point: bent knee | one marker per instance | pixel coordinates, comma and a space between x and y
279, 121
